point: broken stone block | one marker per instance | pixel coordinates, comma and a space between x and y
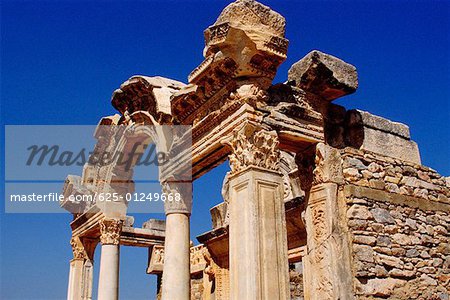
145, 93
382, 287
324, 75
219, 215
376, 134
129, 221
155, 224
382, 216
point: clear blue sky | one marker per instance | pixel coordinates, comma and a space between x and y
61, 61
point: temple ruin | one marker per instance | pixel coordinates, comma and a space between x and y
320, 203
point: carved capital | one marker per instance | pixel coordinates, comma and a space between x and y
178, 197
110, 230
328, 165
252, 145
77, 248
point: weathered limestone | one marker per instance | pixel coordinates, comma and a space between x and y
258, 248
324, 75
108, 282
320, 203
143, 93
372, 133
74, 290
327, 265
249, 35
176, 272
81, 269
404, 223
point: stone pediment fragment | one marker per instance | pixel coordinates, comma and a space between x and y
324, 75
143, 93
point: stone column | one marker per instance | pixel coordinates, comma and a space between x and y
327, 263
108, 283
80, 276
258, 245
74, 290
176, 271
88, 276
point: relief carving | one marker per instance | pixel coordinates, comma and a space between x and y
110, 230
77, 248
158, 256
178, 196
253, 146
328, 165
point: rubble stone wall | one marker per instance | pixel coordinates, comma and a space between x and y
399, 222
197, 288
296, 281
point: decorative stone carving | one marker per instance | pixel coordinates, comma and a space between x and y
77, 248
291, 180
110, 230
159, 255
222, 276
197, 258
328, 257
143, 93
328, 165
252, 35
324, 75
253, 146
178, 197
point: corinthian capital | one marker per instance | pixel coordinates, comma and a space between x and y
77, 248
252, 145
110, 230
178, 197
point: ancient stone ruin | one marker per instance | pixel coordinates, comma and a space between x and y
320, 203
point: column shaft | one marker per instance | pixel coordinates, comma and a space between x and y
108, 283
176, 271
88, 276
258, 246
74, 290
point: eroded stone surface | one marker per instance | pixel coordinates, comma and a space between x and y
376, 134
324, 75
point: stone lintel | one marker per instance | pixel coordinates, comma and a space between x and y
86, 222
254, 168
139, 237
295, 226
155, 224
297, 254
394, 198
324, 75
87, 226
208, 151
217, 242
